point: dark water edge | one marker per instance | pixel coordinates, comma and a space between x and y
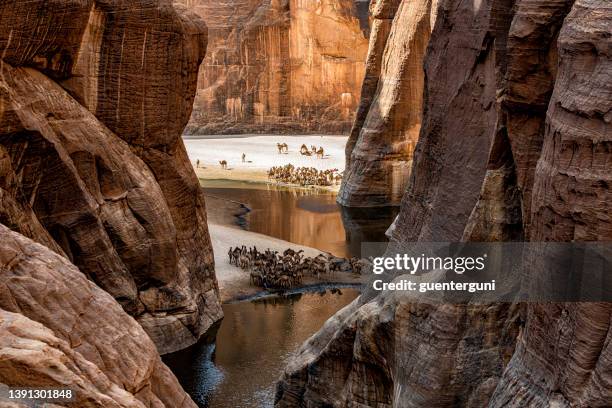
238, 362
302, 216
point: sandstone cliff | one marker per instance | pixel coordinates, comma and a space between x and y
288, 66
60, 330
382, 141
514, 145
94, 96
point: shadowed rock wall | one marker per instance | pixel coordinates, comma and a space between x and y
514, 145
280, 66
94, 96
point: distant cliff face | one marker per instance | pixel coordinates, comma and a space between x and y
94, 95
514, 144
280, 66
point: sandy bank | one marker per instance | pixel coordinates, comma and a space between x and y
233, 281
261, 154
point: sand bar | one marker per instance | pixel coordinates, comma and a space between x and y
261, 154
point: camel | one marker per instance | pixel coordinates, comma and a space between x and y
282, 148
223, 164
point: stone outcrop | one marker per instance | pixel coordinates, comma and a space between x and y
280, 66
94, 96
58, 329
382, 141
514, 145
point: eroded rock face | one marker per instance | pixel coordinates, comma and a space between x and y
483, 124
93, 103
380, 149
59, 329
564, 356
285, 66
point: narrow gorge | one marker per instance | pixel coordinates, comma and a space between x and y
189, 190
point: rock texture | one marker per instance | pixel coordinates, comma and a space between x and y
382, 141
60, 330
288, 66
93, 99
514, 145
564, 356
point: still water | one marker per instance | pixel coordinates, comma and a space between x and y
239, 366
306, 217
238, 363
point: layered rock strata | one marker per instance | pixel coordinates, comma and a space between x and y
59, 330
280, 66
94, 96
514, 145
382, 141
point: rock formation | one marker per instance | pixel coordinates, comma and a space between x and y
564, 356
94, 95
288, 66
514, 145
384, 135
59, 330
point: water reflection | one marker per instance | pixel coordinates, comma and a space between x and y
239, 366
305, 217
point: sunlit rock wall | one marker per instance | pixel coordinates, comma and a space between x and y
384, 135
94, 96
60, 330
515, 144
285, 66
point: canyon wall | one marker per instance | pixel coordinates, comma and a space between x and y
514, 145
280, 66
386, 128
60, 330
94, 96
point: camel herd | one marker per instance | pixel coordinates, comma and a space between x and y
273, 270
304, 176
